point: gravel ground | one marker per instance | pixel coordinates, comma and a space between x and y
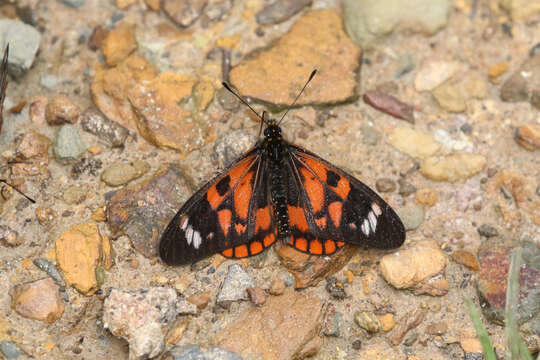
115, 114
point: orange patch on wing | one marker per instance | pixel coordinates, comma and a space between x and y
343, 187
301, 244
262, 219
335, 211
315, 247
224, 218
269, 240
240, 229
241, 251
314, 190
242, 196
316, 167
227, 253
213, 197
321, 222
256, 247
340, 243
297, 218
329, 246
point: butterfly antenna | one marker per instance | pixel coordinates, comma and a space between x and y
17, 190
3, 83
226, 86
297, 96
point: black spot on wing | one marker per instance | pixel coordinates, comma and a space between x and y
332, 178
223, 185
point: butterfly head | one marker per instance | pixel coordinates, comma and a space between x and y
272, 131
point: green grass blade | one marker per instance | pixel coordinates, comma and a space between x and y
482, 334
514, 344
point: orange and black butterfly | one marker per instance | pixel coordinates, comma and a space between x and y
278, 190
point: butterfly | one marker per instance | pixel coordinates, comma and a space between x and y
279, 191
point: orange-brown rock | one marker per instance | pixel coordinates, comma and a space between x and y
119, 43
153, 4
522, 189
110, 88
39, 300
316, 41
61, 110
283, 328
162, 120
32, 154
79, 251
309, 270
466, 258
528, 136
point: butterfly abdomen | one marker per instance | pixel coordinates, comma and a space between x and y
274, 147
279, 200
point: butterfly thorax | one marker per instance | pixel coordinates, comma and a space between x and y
275, 148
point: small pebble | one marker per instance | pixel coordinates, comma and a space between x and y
487, 231
438, 328
121, 173
466, 258
9, 237
61, 110
280, 10
277, 287
200, 299
234, 287
405, 188
370, 136
68, 145
94, 122
257, 295
367, 321
357, 344
498, 69
412, 216
389, 105
426, 196
335, 288
385, 185
48, 81
10, 350
74, 3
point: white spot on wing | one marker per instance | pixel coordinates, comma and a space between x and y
196, 239
376, 209
189, 235
372, 220
365, 227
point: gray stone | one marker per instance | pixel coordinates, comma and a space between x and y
194, 352
366, 21
73, 3
10, 350
24, 43
234, 286
231, 145
370, 136
280, 11
48, 81
95, 123
412, 216
68, 145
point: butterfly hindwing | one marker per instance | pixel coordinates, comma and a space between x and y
332, 207
230, 214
